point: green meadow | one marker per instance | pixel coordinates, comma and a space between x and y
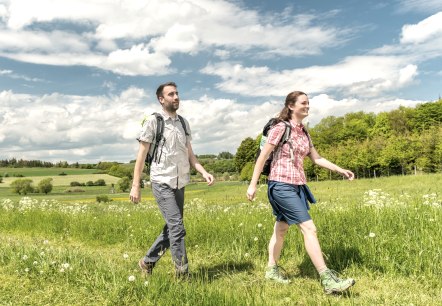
66, 249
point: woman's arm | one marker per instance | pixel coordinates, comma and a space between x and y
265, 153
322, 162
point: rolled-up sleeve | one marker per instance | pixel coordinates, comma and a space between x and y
148, 130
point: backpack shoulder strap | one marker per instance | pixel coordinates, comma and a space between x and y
160, 127
183, 123
286, 135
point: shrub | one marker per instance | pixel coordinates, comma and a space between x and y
74, 190
45, 185
103, 198
22, 186
63, 173
89, 183
100, 182
123, 184
74, 184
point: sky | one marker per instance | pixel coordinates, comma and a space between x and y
78, 76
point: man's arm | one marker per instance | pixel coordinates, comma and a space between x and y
135, 192
198, 167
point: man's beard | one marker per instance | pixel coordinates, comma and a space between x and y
172, 107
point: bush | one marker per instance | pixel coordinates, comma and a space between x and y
74, 190
63, 173
45, 185
100, 182
103, 198
74, 184
89, 183
22, 186
123, 184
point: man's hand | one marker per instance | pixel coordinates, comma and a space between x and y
209, 178
135, 194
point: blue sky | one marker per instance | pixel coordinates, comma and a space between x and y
77, 76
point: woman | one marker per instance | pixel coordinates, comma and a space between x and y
288, 193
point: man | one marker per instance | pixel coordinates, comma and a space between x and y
169, 173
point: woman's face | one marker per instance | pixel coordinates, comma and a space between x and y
300, 108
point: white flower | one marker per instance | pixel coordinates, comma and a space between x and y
35, 263
46, 241
240, 224
61, 270
27, 270
42, 254
146, 283
65, 265
372, 235
256, 239
246, 255
131, 278
259, 225
24, 257
125, 256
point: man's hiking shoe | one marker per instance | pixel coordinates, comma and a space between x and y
146, 267
273, 273
333, 284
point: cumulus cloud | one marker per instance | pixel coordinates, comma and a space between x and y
357, 75
139, 38
423, 31
98, 128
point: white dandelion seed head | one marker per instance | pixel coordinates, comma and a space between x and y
131, 278
125, 256
256, 239
61, 270
25, 257
65, 265
259, 225
372, 235
35, 263
146, 283
27, 270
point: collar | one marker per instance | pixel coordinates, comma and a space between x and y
166, 116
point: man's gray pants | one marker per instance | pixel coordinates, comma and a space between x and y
171, 204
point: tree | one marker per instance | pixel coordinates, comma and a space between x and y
247, 172
45, 185
225, 155
22, 186
245, 153
123, 184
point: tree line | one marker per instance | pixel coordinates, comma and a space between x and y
402, 141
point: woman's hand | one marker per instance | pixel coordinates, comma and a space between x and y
251, 191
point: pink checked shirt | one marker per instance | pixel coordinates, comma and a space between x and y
288, 167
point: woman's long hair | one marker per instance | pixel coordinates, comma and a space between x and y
286, 113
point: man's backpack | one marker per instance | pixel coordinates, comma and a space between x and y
285, 137
152, 155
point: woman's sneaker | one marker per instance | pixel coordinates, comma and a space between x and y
273, 273
333, 284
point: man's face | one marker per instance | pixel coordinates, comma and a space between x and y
170, 99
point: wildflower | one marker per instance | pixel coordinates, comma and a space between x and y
256, 239
61, 270
42, 254
241, 224
46, 241
125, 256
146, 283
27, 270
372, 235
246, 255
65, 265
196, 246
131, 278
259, 225
25, 257
35, 263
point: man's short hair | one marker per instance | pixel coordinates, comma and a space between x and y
161, 87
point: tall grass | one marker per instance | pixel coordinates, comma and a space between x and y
385, 233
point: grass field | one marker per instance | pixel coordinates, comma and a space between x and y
72, 251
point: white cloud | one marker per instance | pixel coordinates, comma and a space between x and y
423, 31
427, 6
133, 37
97, 128
357, 75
